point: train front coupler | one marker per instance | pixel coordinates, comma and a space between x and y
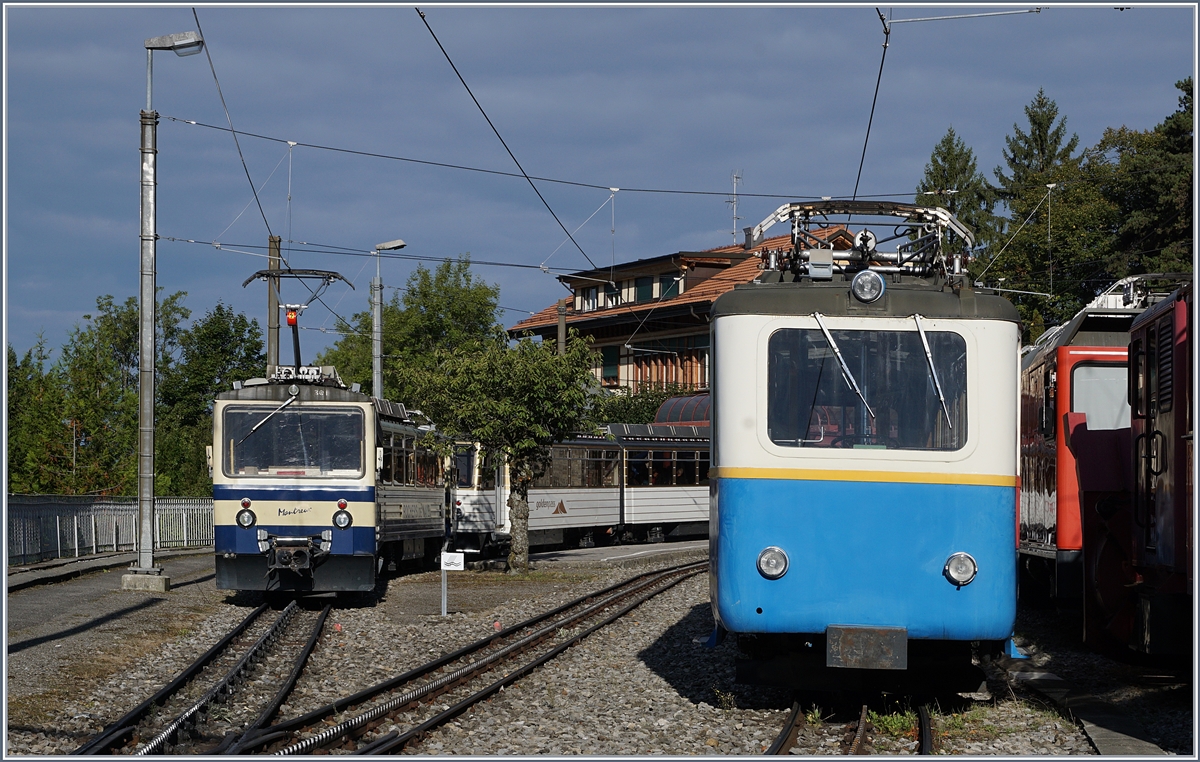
297, 554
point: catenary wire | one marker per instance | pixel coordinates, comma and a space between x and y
501, 139
230, 120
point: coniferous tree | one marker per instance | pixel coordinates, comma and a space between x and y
952, 180
1031, 155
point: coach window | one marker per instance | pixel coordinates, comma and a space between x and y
409, 458
702, 471
810, 403
660, 470
637, 471
464, 464
487, 472
386, 473
685, 468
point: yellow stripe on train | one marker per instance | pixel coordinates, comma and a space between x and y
906, 477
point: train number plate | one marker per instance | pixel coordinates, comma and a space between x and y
866, 647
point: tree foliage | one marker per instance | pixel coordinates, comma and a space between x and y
1031, 155
952, 180
443, 309
513, 401
73, 424
626, 406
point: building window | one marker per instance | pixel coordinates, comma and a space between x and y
612, 363
643, 289
587, 299
612, 295
667, 286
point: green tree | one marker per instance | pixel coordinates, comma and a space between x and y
514, 401
1151, 186
952, 180
443, 309
214, 351
1031, 155
40, 442
625, 406
1060, 226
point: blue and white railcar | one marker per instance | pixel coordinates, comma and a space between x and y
863, 502
316, 487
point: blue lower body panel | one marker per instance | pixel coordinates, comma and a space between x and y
864, 553
352, 541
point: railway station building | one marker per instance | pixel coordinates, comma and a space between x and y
648, 318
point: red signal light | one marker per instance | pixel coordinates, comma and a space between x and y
291, 317
342, 504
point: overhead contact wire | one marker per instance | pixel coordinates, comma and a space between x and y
506, 148
230, 120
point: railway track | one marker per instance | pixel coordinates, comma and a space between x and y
397, 712
262, 657
858, 736
193, 714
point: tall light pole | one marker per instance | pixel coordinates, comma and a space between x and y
145, 575
377, 318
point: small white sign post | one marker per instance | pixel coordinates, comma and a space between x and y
450, 562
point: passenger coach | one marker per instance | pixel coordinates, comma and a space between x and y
863, 491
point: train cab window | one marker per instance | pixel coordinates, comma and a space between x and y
810, 403
291, 443
1098, 389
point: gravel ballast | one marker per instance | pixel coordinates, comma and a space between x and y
645, 685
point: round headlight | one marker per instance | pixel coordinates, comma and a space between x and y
772, 563
342, 519
245, 518
867, 286
960, 569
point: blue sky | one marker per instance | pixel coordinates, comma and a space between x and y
667, 97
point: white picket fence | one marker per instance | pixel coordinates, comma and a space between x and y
43, 527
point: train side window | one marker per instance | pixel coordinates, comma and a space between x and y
1137, 378
685, 468
487, 472
637, 472
1166, 365
702, 471
410, 465
464, 463
1049, 406
387, 472
660, 471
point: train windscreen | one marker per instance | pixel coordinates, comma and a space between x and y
1101, 391
812, 400
293, 442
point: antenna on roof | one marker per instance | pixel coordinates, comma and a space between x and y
736, 177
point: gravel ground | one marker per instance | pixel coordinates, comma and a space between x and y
646, 685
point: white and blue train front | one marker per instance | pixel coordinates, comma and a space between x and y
316, 486
863, 499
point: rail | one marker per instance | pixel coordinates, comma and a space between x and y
45, 527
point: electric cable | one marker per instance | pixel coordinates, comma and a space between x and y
506, 148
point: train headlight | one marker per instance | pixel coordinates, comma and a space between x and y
960, 569
867, 286
245, 518
772, 563
342, 519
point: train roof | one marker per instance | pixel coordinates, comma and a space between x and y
642, 434
686, 410
1183, 293
783, 293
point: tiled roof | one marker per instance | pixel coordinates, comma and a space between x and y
706, 291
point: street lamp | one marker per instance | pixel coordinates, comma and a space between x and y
377, 318
145, 575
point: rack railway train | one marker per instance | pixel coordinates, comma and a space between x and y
316, 486
1136, 493
1078, 367
632, 483
863, 518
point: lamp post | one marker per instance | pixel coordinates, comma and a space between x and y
377, 318
145, 575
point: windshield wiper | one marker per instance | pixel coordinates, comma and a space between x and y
290, 400
933, 371
846, 374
